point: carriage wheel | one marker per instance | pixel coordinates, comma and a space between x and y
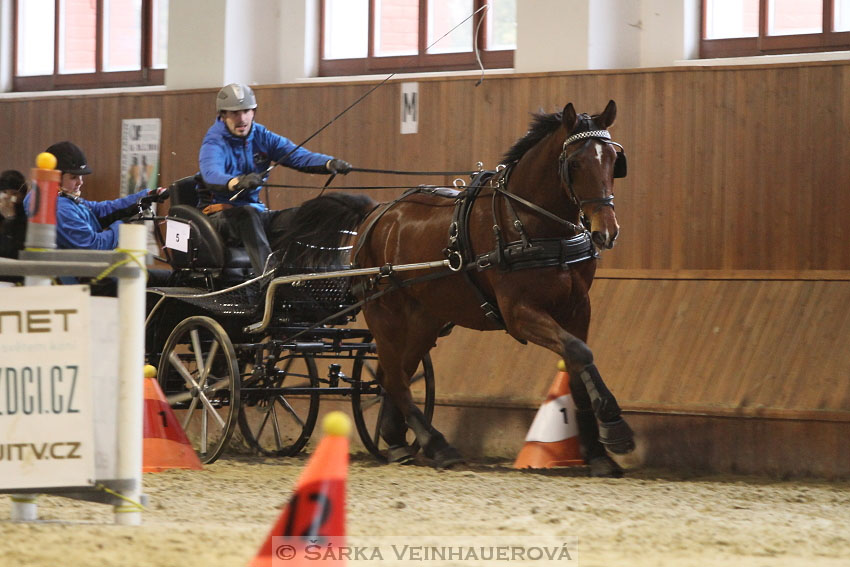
368, 401
279, 423
199, 375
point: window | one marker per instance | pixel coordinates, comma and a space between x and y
733, 28
61, 44
384, 36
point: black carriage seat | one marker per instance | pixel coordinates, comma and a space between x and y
207, 250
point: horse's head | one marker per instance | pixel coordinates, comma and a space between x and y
588, 165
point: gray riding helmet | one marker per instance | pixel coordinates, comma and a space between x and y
235, 96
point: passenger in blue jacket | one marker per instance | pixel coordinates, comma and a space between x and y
234, 157
90, 225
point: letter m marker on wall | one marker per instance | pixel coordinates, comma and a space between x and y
409, 108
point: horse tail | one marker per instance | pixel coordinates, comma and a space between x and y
317, 230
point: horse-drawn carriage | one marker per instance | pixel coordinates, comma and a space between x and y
514, 250
235, 351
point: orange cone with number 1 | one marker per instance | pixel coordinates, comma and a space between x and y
312, 526
552, 439
165, 444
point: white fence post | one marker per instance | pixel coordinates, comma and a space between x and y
132, 238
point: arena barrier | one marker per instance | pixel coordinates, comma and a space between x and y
71, 419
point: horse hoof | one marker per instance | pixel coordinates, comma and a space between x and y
617, 436
605, 467
400, 454
447, 458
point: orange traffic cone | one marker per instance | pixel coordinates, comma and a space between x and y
165, 443
311, 529
552, 439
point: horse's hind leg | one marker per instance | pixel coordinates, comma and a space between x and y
434, 444
400, 349
393, 428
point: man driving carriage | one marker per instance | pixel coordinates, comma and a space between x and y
235, 157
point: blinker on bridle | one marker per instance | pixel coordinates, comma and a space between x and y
620, 168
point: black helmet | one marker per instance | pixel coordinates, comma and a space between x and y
69, 158
13, 180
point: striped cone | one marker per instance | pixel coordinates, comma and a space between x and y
312, 525
165, 443
552, 439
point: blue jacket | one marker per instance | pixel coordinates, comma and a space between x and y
224, 156
77, 225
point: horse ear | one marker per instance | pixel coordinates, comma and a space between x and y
569, 118
608, 115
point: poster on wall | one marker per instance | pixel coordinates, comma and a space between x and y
140, 163
139, 154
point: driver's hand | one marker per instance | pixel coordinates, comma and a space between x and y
247, 182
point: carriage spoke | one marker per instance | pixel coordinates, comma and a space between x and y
367, 404
188, 417
195, 337
291, 412
204, 433
263, 423
190, 382
177, 363
211, 409
278, 440
205, 370
376, 436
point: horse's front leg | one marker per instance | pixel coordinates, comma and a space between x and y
594, 401
614, 433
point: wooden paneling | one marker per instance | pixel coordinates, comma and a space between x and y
726, 294
730, 168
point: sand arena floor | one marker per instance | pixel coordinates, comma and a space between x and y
221, 515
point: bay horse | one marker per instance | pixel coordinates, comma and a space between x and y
521, 259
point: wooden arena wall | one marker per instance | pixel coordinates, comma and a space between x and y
721, 316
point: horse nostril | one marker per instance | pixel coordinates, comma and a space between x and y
598, 239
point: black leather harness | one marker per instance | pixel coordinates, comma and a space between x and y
525, 253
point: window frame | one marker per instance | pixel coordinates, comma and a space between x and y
419, 62
145, 76
765, 44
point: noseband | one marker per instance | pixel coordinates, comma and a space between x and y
565, 159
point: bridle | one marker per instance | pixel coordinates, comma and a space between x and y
565, 159
500, 182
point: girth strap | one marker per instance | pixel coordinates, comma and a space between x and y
539, 253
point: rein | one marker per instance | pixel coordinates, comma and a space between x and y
500, 188
403, 172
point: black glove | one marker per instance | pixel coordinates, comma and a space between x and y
336, 165
120, 214
160, 194
157, 195
248, 181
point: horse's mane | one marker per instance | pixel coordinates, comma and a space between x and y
543, 124
313, 235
